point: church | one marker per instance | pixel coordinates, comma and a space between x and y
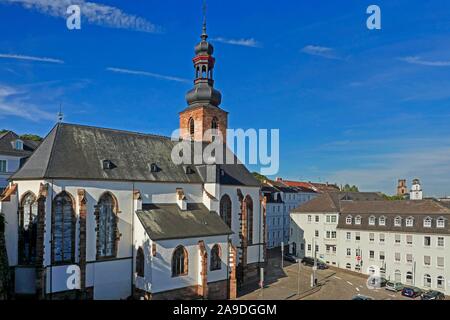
101, 213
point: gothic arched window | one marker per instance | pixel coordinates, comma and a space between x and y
191, 127
107, 226
225, 209
63, 229
215, 123
28, 215
140, 262
216, 261
179, 262
248, 202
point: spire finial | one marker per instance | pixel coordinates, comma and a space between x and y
204, 35
60, 114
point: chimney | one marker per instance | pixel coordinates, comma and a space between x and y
181, 199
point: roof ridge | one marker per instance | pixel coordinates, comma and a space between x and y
115, 130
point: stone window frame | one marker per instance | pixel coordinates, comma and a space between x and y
71, 259
216, 258
226, 207
398, 221
440, 222
21, 212
427, 222
140, 262
117, 234
372, 220
177, 271
348, 219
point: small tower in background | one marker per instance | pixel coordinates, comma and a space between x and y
416, 191
402, 188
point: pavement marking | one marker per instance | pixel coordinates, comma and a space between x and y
337, 277
349, 283
357, 289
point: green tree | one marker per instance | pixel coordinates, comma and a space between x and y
32, 137
260, 177
348, 188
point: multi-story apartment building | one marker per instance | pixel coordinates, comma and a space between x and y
280, 200
405, 241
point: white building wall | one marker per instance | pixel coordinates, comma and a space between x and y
12, 165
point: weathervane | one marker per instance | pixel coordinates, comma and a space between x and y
60, 114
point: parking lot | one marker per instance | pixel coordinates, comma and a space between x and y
294, 283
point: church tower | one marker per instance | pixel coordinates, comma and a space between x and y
203, 119
416, 191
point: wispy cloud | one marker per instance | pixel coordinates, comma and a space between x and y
13, 103
324, 52
147, 74
93, 13
29, 58
429, 63
239, 42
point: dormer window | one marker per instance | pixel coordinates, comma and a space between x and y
18, 145
358, 220
348, 220
107, 165
382, 221
410, 222
427, 222
398, 222
372, 220
440, 223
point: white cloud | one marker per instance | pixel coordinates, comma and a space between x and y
12, 103
29, 58
147, 74
93, 13
323, 52
420, 61
239, 42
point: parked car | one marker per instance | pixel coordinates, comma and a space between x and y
394, 286
289, 257
433, 295
308, 261
362, 297
411, 292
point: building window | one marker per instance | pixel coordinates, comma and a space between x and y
382, 237
317, 218
409, 278
349, 252
397, 257
357, 236
372, 220
398, 276
140, 262
371, 237
249, 213
349, 235
427, 260
191, 127
427, 222
317, 248
28, 215
107, 226
328, 234
215, 123
225, 209
333, 219
440, 223
409, 258
427, 281
427, 241
348, 266
440, 282
398, 222
216, 261
409, 239
440, 242
397, 238
333, 234
358, 220
179, 262
18, 145
382, 256
440, 262
348, 220
309, 247
63, 231
382, 221
372, 254
309, 218
3, 166
328, 219
316, 233
410, 222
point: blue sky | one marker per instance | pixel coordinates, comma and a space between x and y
352, 105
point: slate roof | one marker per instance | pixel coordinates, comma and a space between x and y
331, 201
7, 140
77, 152
418, 209
167, 221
